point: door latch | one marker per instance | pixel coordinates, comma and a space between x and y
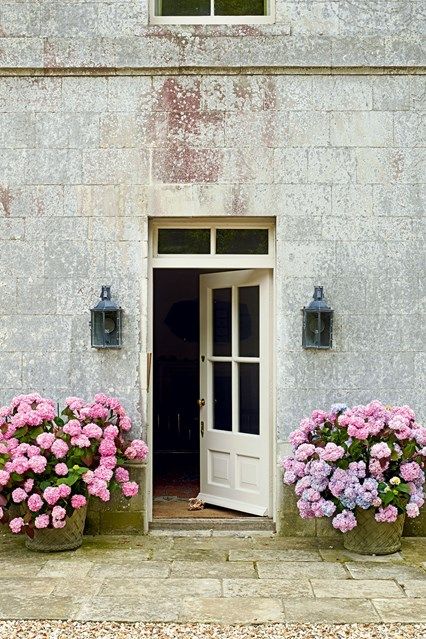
202, 429
201, 403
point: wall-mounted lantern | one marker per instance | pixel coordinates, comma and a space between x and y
106, 322
317, 322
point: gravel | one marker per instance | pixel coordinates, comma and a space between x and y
111, 630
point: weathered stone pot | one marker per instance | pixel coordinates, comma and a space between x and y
57, 539
371, 537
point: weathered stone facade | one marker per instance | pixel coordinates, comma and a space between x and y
106, 121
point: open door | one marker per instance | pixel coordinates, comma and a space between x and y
235, 415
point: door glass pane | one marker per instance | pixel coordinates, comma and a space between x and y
240, 7
182, 8
222, 322
222, 396
242, 241
249, 398
248, 321
191, 241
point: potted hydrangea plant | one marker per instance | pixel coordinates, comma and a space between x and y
50, 464
364, 467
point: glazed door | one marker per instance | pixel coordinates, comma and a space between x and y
235, 415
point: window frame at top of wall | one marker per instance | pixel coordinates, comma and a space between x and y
212, 20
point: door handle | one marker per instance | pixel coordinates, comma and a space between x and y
201, 403
202, 429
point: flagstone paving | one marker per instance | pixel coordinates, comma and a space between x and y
206, 578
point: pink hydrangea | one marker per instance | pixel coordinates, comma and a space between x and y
19, 495
93, 431
125, 424
72, 428
344, 521
41, 521
45, 440
81, 441
58, 512
4, 477
20, 465
51, 495
130, 488
64, 491
331, 452
103, 473
380, 451
34, 502
59, 523
108, 462
38, 464
389, 514
28, 485
59, 448
411, 471
412, 510
304, 451
61, 469
122, 475
78, 501
16, 524
107, 448
111, 432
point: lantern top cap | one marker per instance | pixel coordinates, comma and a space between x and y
106, 303
318, 302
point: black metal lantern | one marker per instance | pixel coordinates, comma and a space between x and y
106, 322
317, 322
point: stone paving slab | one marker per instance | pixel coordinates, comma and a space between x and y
128, 609
403, 610
274, 555
231, 611
371, 570
145, 569
162, 587
66, 568
220, 570
415, 588
351, 588
342, 555
326, 611
29, 607
283, 588
301, 570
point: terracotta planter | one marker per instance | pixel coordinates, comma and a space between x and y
371, 537
56, 539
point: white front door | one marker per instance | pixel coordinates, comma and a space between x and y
235, 389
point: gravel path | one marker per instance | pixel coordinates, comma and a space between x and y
77, 630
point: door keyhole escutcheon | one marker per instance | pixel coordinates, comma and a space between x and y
202, 429
201, 403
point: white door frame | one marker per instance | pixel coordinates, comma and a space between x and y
219, 263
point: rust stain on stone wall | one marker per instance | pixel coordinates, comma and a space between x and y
6, 199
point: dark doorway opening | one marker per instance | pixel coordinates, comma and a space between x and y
176, 390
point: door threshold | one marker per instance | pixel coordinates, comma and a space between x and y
239, 523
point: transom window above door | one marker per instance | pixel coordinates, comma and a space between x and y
211, 11
238, 241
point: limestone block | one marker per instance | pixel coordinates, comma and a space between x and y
12, 166
307, 259
84, 94
290, 165
65, 130
391, 93
381, 17
53, 166
307, 128
11, 229
301, 200
35, 333
417, 92
123, 130
342, 93
402, 295
361, 128
20, 20
21, 52
60, 228
409, 129
331, 165
248, 164
129, 94
122, 19
357, 229
237, 93
67, 258
399, 200
35, 296
69, 20
305, 17
43, 371
30, 94
111, 166
17, 257
375, 166
375, 370
17, 130
294, 93
352, 200
11, 370
29, 201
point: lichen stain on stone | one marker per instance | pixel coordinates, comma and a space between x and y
175, 96
397, 164
6, 199
182, 163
